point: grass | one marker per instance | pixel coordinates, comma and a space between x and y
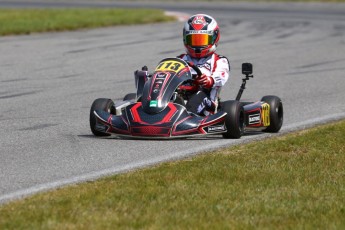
26, 21
295, 181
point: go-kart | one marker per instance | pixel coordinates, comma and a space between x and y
158, 108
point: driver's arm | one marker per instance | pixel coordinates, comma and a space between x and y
222, 72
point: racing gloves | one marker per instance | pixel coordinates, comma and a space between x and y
205, 81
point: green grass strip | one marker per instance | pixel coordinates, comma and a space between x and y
295, 181
26, 21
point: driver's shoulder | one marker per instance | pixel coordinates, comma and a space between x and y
221, 60
219, 56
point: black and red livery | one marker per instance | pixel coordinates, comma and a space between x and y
158, 109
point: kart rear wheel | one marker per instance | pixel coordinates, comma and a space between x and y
276, 113
104, 104
235, 119
130, 97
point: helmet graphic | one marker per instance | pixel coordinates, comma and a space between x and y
201, 35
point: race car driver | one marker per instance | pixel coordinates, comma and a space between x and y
200, 37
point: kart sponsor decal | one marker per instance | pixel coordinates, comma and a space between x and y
170, 65
157, 86
217, 128
254, 119
199, 32
159, 80
265, 114
161, 75
153, 103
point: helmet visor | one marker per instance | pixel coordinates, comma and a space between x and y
198, 39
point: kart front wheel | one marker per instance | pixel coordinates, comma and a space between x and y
130, 97
276, 113
104, 104
235, 119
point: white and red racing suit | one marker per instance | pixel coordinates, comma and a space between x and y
218, 68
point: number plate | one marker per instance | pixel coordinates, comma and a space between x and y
170, 65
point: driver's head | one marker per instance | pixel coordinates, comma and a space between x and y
201, 35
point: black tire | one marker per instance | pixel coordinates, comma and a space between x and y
130, 97
104, 104
276, 113
235, 119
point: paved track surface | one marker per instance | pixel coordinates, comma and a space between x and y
48, 82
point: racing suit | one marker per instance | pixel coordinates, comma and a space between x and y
205, 101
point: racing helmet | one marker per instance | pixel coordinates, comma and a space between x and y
201, 35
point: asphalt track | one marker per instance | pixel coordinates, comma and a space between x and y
48, 82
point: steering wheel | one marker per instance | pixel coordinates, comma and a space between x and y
193, 87
197, 70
